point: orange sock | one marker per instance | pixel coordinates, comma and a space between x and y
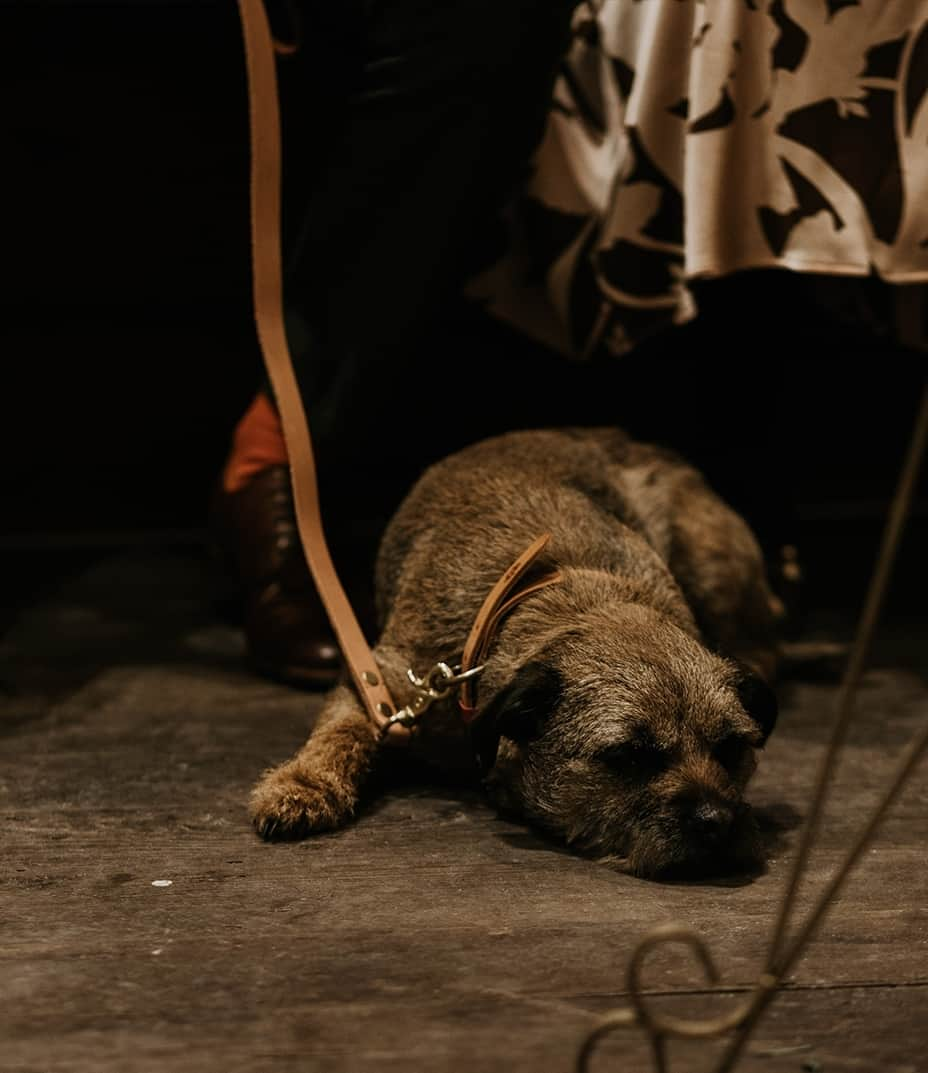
258, 443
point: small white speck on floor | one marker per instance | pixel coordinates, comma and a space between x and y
157, 952
162, 882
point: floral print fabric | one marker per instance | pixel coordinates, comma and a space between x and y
693, 138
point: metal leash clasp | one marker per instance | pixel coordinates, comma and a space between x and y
435, 685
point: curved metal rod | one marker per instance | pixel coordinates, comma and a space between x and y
896, 519
909, 762
783, 953
602, 1028
659, 1027
661, 1024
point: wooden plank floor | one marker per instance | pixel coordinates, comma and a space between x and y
428, 936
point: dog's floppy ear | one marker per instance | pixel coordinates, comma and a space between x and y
757, 699
517, 711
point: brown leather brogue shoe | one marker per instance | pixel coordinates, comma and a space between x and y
286, 628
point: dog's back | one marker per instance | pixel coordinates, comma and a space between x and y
608, 502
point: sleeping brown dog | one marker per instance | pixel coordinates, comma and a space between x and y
627, 700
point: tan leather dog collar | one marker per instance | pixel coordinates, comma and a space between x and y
500, 601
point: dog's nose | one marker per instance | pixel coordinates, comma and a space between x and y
710, 822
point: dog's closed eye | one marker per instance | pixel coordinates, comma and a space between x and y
634, 758
730, 751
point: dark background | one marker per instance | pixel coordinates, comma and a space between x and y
129, 352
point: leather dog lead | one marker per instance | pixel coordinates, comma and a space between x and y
267, 288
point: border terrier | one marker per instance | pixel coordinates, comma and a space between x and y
624, 704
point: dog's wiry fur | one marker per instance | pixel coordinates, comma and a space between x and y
629, 698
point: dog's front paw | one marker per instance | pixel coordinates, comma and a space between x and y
292, 802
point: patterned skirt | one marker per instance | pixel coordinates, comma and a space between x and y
689, 139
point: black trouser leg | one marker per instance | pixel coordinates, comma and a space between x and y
419, 119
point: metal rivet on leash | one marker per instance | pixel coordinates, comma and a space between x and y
370, 678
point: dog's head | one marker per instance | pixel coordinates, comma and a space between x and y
629, 739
